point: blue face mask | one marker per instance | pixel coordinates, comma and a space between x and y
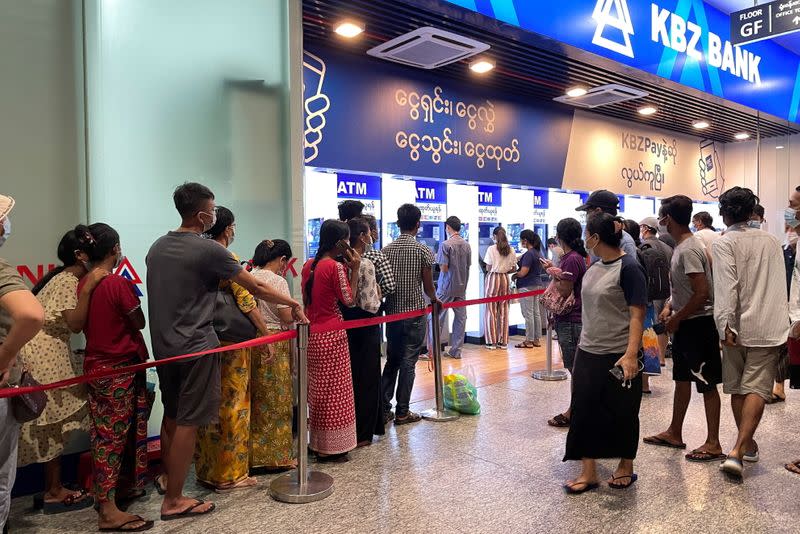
790, 217
693, 228
7, 231
754, 224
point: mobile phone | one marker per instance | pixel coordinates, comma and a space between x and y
542, 261
617, 373
343, 245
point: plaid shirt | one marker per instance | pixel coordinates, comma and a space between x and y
383, 271
408, 258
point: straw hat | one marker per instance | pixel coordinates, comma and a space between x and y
6, 205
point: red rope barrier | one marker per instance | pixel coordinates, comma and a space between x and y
329, 326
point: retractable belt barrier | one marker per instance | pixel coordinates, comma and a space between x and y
330, 326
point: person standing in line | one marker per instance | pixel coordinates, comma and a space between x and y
790, 258
49, 358
632, 227
119, 406
650, 238
556, 252
529, 278
751, 313
412, 264
500, 261
454, 258
383, 269
569, 282
704, 230
350, 209
792, 219
222, 459
329, 280
605, 408
365, 342
184, 271
757, 218
21, 318
271, 394
604, 201
689, 316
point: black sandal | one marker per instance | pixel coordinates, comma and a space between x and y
559, 421
570, 489
146, 525
615, 485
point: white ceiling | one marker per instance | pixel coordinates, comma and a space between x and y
792, 41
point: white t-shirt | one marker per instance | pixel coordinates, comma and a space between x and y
707, 236
497, 263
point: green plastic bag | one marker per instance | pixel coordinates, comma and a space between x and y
460, 395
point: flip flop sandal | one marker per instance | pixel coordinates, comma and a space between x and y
614, 485
70, 503
162, 490
700, 456
751, 457
732, 467
189, 512
524, 345
776, 399
793, 467
247, 483
587, 486
661, 442
559, 421
121, 528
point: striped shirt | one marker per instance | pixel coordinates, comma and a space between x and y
750, 287
408, 257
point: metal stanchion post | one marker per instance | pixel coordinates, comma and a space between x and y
549, 374
301, 485
440, 413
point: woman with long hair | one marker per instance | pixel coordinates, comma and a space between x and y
607, 381
568, 280
49, 358
326, 284
223, 449
529, 278
119, 406
271, 394
500, 262
365, 342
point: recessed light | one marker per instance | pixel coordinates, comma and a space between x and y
742, 136
647, 110
349, 29
779, 147
575, 92
481, 66
701, 125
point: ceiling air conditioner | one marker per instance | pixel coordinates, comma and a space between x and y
428, 48
603, 95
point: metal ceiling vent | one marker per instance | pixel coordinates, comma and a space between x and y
428, 48
603, 95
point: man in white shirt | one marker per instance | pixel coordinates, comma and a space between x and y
704, 229
751, 315
792, 220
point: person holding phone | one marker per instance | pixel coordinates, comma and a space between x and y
331, 279
529, 278
607, 384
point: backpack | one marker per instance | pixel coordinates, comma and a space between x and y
657, 268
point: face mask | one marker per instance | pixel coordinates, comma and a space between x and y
208, 227
230, 241
790, 217
369, 242
754, 224
118, 261
662, 229
6, 231
589, 249
693, 228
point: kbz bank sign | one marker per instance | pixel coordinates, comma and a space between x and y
686, 41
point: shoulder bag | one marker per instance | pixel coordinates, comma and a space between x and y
230, 323
28, 406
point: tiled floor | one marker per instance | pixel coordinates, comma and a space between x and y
501, 472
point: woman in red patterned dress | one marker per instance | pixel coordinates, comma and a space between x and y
326, 283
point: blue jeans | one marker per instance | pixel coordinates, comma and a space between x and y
533, 317
569, 334
9, 436
459, 326
403, 339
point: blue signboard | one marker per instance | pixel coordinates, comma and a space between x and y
369, 115
358, 186
686, 41
541, 199
431, 192
490, 195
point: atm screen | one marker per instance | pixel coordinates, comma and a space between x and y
464, 231
312, 235
394, 231
513, 235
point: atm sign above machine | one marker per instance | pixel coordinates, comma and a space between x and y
765, 21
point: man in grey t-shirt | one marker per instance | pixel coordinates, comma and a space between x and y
183, 276
689, 315
454, 259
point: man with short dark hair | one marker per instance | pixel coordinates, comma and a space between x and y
649, 232
454, 259
695, 345
603, 201
350, 209
412, 264
183, 275
752, 317
705, 231
383, 269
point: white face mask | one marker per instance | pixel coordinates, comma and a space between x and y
754, 224
6, 231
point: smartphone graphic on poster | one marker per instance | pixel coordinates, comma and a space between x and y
711, 180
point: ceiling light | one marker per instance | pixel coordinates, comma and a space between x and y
576, 92
647, 110
482, 65
701, 125
349, 29
742, 136
779, 147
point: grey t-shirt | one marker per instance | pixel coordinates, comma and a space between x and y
455, 252
690, 257
608, 291
183, 275
627, 244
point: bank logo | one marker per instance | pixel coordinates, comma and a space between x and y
126, 270
616, 15
315, 103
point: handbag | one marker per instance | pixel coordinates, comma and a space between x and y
230, 323
28, 406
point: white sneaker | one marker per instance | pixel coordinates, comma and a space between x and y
491, 347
